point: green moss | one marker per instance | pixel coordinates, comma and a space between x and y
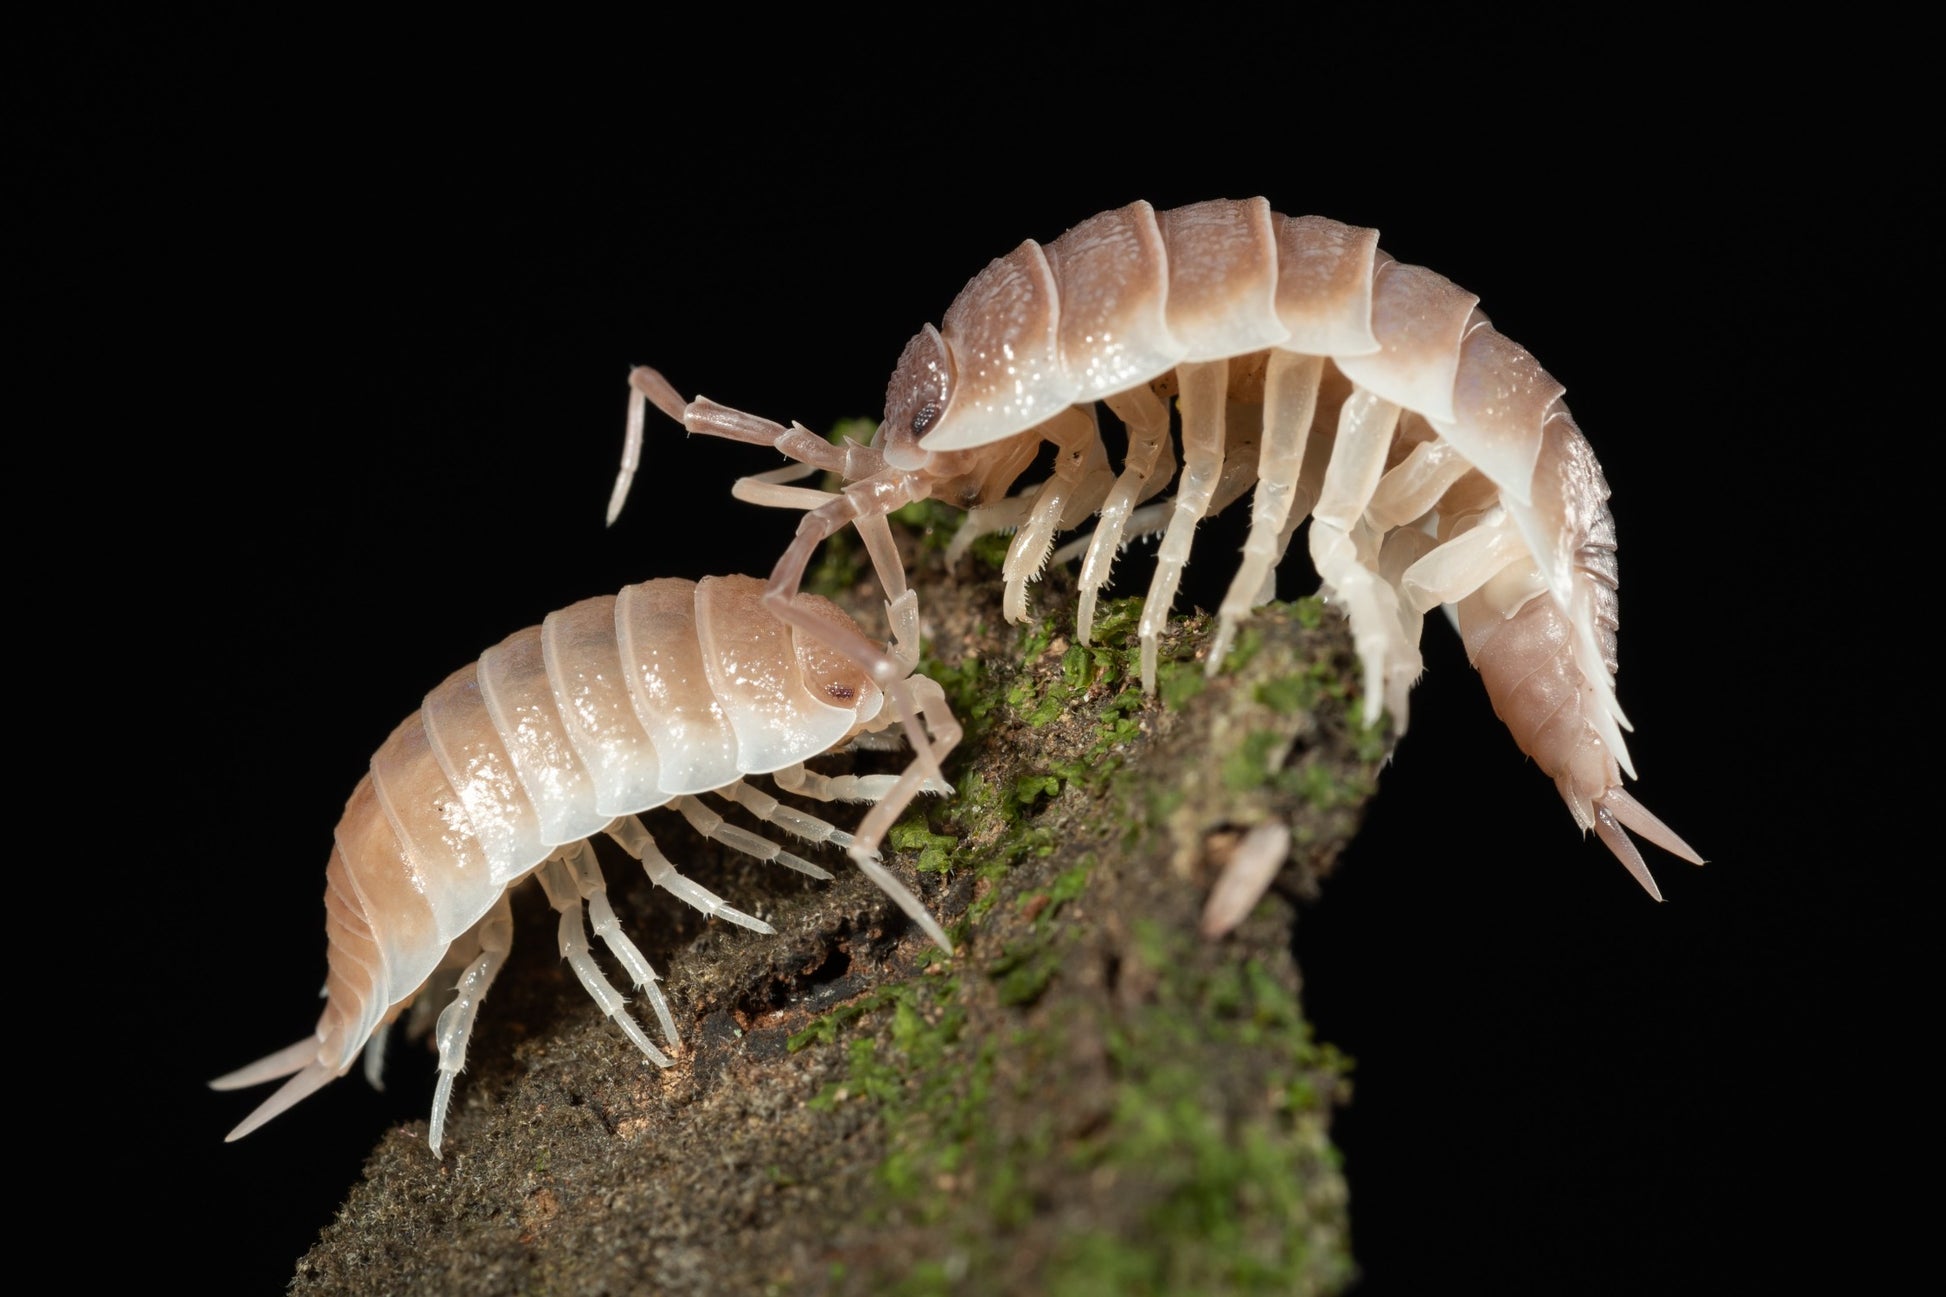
990, 550
967, 690
1067, 887
1039, 710
1036, 638
1308, 611
1373, 741
1288, 695
935, 849
1248, 643
1023, 972
935, 523
1225, 1206
1207, 1180
1178, 682
1029, 789
1255, 761
1117, 621
1019, 842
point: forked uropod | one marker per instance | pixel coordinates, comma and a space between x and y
1434, 457
616, 705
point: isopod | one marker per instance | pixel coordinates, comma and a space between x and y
1434, 457
616, 705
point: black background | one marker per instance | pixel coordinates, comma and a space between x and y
334, 322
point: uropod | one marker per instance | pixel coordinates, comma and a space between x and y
652, 698
1294, 360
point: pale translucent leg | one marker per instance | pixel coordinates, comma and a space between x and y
1004, 463
635, 840
493, 936
769, 491
1411, 489
563, 886
1310, 485
945, 730
1149, 520
1290, 402
986, 519
845, 788
1202, 401
1403, 547
581, 863
808, 828
714, 827
891, 795
901, 603
1345, 552
1463, 563
1146, 416
877, 741
1081, 477
888, 791
375, 1055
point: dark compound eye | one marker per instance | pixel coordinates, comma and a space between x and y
925, 418
843, 693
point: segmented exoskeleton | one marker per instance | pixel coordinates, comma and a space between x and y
611, 707
1434, 457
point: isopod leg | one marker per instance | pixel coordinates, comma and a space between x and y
875, 497
564, 894
844, 788
1462, 564
1290, 401
851, 461
1081, 477
1339, 549
901, 603
1146, 417
494, 936
714, 827
635, 840
1202, 400
581, 862
788, 818
888, 791
945, 729
374, 1055
891, 796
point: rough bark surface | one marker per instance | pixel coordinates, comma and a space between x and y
1088, 1096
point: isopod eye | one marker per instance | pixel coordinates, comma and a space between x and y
827, 672
925, 418
916, 398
